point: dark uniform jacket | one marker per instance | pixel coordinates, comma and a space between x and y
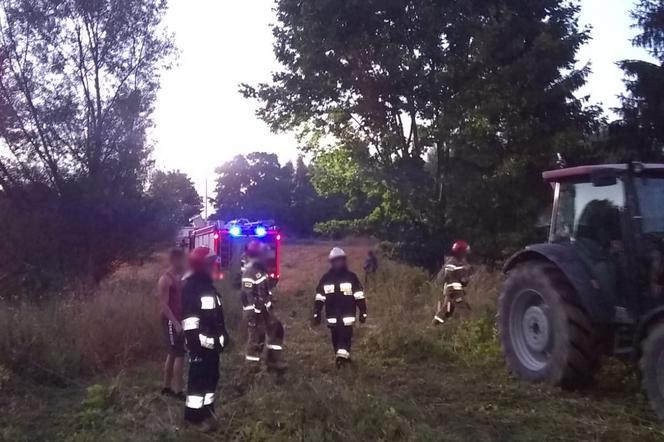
256, 294
342, 295
203, 322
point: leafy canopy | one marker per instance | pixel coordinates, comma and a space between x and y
484, 89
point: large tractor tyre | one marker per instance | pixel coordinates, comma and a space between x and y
652, 368
545, 334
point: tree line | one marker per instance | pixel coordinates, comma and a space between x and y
425, 121
257, 187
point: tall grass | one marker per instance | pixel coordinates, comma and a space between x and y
404, 299
117, 325
56, 341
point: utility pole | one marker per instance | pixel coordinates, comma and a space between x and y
206, 201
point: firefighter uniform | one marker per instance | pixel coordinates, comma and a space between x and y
341, 293
206, 336
454, 275
264, 329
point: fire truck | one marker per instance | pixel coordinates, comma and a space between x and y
227, 242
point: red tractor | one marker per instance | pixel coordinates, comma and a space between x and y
597, 287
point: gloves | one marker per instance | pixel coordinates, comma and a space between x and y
223, 342
363, 318
316, 320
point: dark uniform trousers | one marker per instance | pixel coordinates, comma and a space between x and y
263, 328
202, 385
342, 338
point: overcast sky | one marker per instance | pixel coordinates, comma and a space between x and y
202, 120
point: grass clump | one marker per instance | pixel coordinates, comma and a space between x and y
57, 341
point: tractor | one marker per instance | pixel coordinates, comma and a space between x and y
596, 287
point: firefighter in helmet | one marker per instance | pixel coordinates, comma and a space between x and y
206, 337
455, 276
341, 293
264, 329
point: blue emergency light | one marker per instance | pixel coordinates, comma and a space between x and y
235, 231
260, 231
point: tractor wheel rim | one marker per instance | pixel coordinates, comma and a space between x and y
530, 330
660, 373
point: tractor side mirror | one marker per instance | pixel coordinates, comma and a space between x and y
603, 178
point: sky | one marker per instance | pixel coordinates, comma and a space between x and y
202, 121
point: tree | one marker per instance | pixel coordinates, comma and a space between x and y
78, 80
254, 187
176, 192
486, 87
639, 134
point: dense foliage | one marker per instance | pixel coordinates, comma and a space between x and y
639, 134
484, 88
258, 187
78, 81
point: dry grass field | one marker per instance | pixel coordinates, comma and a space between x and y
87, 368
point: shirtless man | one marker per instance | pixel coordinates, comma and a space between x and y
170, 306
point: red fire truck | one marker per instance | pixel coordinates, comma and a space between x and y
227, 241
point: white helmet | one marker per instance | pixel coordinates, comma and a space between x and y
337, 252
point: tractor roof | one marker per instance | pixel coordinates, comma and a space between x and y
581, 171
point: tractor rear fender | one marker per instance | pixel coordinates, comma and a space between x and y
654, 316
570, 264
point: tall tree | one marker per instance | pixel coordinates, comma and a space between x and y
639, 135
176, 192
487, 86
305, 201
78, 80
254, 187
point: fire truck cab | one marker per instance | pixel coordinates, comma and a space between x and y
227, 242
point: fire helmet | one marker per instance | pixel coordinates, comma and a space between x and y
460, 246
337, 252
254, 249
198, 258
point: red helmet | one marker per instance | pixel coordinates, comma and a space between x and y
460, 246
254, 249
198, 258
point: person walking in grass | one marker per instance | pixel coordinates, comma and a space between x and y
370, 267
455, 276
169, 289
342, 295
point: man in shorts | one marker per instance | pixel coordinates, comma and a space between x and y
170, 306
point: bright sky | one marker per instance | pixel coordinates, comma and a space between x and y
202, 120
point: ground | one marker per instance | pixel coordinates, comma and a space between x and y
409, 381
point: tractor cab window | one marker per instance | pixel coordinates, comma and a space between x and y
589, 213
589, 217
650, 194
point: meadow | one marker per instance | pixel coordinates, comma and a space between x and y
87, 368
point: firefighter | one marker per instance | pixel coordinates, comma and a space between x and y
455, 276
341, 293
206, 337
264, 329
